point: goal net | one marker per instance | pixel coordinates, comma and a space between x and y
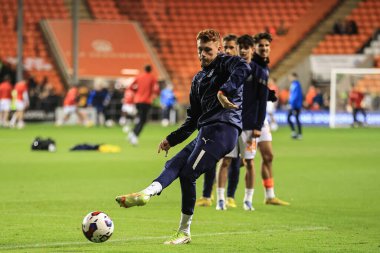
343, 101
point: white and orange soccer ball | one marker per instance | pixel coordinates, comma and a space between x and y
97, 227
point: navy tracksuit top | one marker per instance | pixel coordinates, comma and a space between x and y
225, 73
255, 94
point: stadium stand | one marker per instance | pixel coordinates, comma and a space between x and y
172, 26
36, 57
367, 17
105, 9
369, 84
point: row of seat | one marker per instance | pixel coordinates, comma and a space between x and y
105, 9
169, 21
34, 44
370, 84
367, 17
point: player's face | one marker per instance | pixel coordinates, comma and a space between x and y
230, 47
246, 52
262, 48
207, 51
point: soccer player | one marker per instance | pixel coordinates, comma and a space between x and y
295, 105
70, 107
215, 100
5, 101
147, 89
262, 42
128, 110
22, 102
256, 94
356, 102
230, 48
254, 108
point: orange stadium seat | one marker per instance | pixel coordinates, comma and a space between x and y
170, 20
367, 17
34, 11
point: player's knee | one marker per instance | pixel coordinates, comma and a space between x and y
267, 157
249, 164
225, 163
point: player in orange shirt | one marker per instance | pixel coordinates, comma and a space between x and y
22, 102
356, 102
128, 110
147, 90
5, 101
70, 106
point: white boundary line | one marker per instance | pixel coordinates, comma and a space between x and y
143, 238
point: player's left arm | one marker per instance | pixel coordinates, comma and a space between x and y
190, 125
263, 91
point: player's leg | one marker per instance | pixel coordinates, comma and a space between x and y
5, 118
290, 123
143, 110
167, 176
249, 184
213, 143
208, 182
221, 183
266, 151
362, 110
196, 165
233, 180
299, 125
250, 146
1, 114
354, 115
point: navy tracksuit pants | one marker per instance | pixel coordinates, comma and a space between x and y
212, 143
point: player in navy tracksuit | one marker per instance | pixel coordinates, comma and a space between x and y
255, 97
215, 100
295, 105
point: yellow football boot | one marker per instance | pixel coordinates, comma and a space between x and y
231, 203
206, 202
276, 201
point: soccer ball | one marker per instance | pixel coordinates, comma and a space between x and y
97, 227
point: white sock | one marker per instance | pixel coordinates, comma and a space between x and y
185, 223
153, 189
12, 122
220, 194
248, 194
269, 193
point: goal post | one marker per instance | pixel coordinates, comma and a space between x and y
341, 81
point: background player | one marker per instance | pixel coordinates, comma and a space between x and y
295, 105
5, 101
254, 104
262, 45
22, 102
147, 90
230, 48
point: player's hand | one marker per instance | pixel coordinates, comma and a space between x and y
225, 102
256, 133
164, 145
272, 96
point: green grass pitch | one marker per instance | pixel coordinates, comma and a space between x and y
331, 178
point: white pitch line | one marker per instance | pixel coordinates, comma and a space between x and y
62, 244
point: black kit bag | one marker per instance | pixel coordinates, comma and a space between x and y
44, 144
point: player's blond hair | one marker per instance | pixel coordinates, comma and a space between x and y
209, 35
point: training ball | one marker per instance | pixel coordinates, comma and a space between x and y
97, 227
